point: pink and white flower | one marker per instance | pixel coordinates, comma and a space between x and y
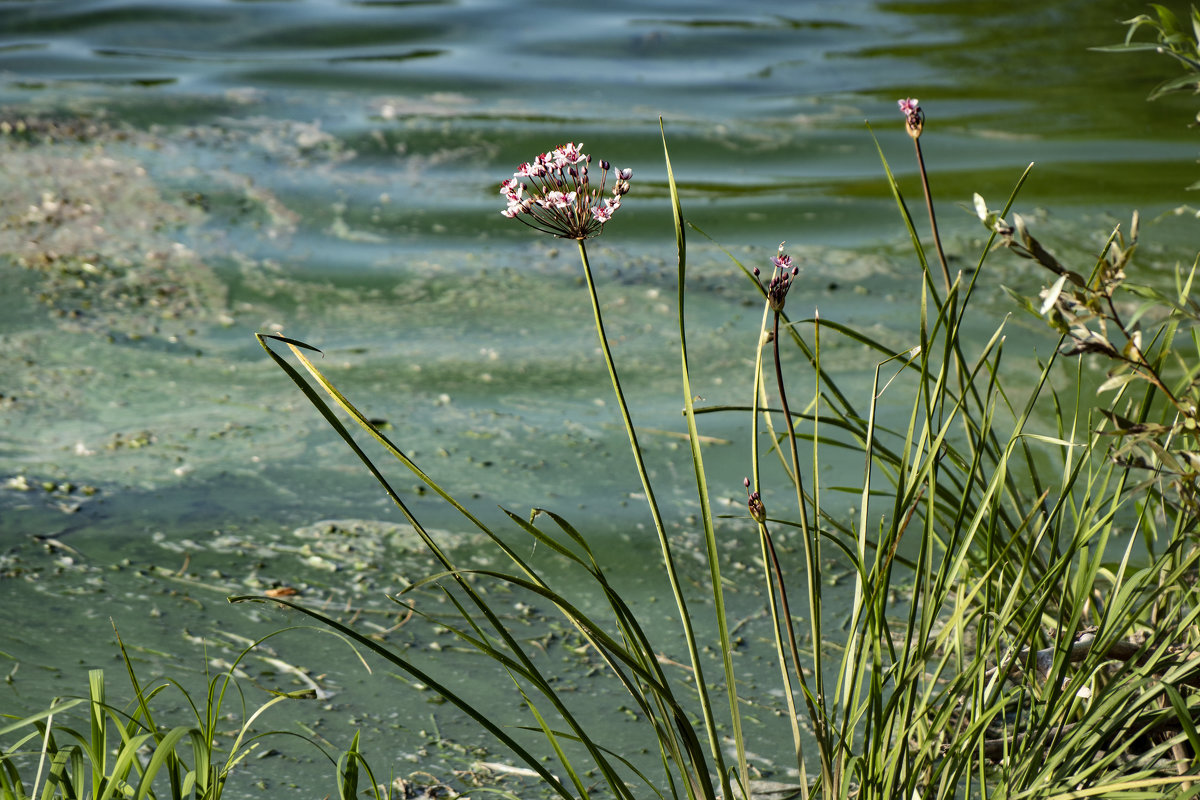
557, 200
568, 154
783, 275
553, 193
603, 212
914, 117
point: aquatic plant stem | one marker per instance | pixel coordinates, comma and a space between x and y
770, 575
812, 561
664, 543
783, 614
937, 239
712, 551
950, 303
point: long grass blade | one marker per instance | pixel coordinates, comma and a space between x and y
710, 537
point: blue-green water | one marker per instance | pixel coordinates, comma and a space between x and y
178, 175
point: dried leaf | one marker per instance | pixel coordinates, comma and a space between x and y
1127, 427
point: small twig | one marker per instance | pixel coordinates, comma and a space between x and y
994, 749
744, 620
1080, 648
383, 633
670, 662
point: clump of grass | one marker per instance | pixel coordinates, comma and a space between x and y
1008, 634
130, 752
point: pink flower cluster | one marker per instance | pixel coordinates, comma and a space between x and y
783, 275
910, 107
553, 193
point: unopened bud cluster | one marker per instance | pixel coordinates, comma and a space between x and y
914, 117
754, 501
554, 194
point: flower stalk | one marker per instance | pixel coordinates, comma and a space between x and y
782, 279
914, 124
554, 194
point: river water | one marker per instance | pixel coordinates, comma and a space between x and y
178, 175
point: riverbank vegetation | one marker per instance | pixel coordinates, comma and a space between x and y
1022, 546
1023, 607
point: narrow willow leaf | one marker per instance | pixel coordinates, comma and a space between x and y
981, 208
1052, 295
1117, 381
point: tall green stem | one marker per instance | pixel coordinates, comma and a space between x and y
937, 239
772, 572
664, 543
812, 557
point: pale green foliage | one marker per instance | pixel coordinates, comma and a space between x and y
130, 753
1138, 329
1008, 635
1173, 38
1025, 610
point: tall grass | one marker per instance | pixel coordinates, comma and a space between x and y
130, 752
1024, 597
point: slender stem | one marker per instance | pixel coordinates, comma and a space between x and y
783, 615
811, 558
950, 303
1140, 362
773, 573
668, 559
785, 607
937, 239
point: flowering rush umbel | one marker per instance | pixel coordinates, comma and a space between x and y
782, 275
554, 193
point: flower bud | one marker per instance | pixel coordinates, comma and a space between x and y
757, 510
754, 502
914, 117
